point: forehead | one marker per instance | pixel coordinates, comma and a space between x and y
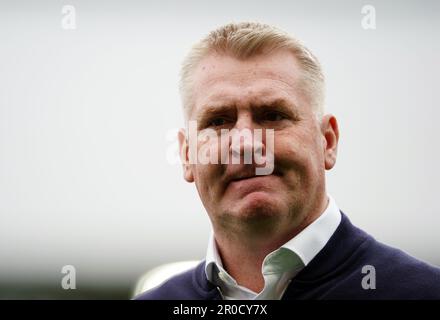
225, 80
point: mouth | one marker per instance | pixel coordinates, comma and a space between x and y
251, 176
262, 184
244, 178
252, 180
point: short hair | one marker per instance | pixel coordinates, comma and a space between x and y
247, 39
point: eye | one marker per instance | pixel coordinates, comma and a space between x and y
273, 116
216, 122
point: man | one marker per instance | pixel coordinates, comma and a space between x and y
277, 235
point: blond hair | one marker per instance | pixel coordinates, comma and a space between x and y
244, 40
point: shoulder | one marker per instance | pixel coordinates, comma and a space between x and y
363, 268
176, 287
408, 271
188, 285
395, 274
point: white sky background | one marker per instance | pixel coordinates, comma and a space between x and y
84, 116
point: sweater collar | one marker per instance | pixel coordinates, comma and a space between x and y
336, 254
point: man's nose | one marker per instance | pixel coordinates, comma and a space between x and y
245, 121
246, 139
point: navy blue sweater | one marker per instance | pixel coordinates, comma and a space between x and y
334, 273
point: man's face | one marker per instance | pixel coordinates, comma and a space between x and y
262, 92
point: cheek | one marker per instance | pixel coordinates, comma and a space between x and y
201, 174
206, 178
298, 151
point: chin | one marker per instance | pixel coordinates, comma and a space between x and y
258, 206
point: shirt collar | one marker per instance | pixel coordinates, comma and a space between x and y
305, 244
213, 260
315, 236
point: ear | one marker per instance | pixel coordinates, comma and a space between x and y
330, 132
184, 156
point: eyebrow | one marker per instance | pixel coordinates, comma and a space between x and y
210, 111
278, 104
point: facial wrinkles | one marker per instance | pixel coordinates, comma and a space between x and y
283, 161
237, 78
228, 92
239, 88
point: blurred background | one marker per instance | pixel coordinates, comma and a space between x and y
89, 108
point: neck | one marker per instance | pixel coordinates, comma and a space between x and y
242, 254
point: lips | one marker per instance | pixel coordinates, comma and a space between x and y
241, 173
261, 185
243, 178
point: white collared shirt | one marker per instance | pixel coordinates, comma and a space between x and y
280, 266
